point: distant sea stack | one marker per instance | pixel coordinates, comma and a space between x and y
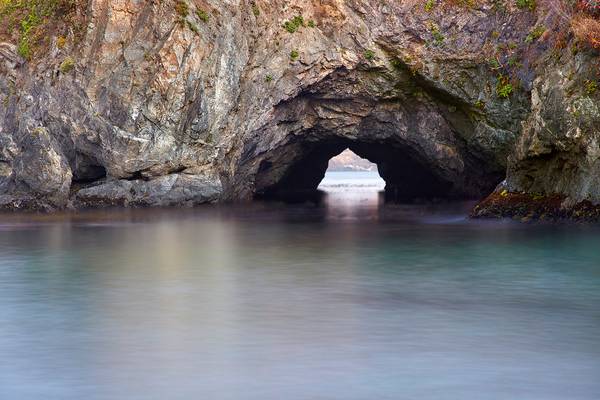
182, 102
348, 161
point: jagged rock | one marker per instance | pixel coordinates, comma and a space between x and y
559, 149
41, 170
9, 56
557, 155
155, 94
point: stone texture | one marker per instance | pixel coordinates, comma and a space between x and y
163, 191
163, 110
556, 160
559, 149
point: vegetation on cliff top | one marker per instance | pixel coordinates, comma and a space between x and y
29, 21
34, 24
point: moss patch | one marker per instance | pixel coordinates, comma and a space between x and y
203, 15
503, 87
294, 24
255, 9
67, 65
526, 4
182, 9
438, 37
535, 34
591, 87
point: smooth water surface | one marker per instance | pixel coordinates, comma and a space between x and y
347, 300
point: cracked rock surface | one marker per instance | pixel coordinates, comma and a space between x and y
221, 102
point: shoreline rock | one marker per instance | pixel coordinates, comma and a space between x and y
526, 207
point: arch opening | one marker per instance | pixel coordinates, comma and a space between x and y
293, 173
349, 172
427, 143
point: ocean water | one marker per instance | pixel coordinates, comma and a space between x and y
348, 299
352, 181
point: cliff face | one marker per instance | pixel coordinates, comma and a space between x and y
182, 102
554, 169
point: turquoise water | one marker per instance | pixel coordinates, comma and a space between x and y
350, 299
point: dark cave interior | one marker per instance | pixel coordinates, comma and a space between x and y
294, 173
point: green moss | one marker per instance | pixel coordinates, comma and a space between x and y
526, 4
429, 5
182, 9
61, 41
514, 61
294, 24
203, 15
255, 9
67, 65
503, 87
29, 17
537, 196
294, 55
396, 64
575, 48
591, 87
369, 54
466, 3
268, 78
23, 48
535, 34
311, 23
498, 5
438, 37
494, 63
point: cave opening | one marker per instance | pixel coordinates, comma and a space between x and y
86, 169
429, 144
294, 172
348, 171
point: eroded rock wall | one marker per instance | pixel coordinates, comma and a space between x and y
184, 102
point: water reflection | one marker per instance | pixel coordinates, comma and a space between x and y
347, 300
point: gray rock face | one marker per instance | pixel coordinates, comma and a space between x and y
163, 108
559, 148
168, 190
424, 146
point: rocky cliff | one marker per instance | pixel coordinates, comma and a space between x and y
177, 102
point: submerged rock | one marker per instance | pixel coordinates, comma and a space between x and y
181, 102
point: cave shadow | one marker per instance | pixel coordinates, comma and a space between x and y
293, 174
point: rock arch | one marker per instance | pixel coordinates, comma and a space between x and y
425, 142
